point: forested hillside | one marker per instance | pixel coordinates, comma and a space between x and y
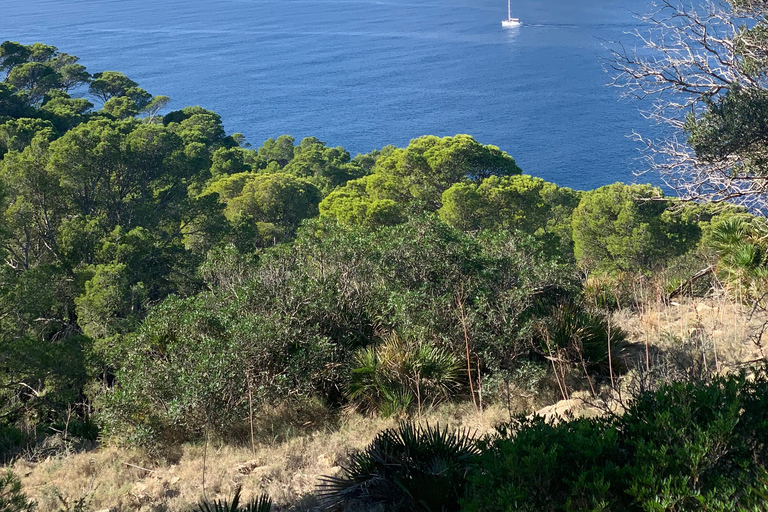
163, 282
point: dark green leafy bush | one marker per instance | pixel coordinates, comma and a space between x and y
687, 447
543, 467
409, 468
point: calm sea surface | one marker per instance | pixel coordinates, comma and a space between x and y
365, 73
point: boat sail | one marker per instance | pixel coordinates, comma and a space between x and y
510, 21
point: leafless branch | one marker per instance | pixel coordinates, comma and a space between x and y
686, 58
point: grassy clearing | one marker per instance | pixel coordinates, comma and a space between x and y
723, 331
120, 480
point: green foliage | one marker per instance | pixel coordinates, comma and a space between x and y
740, 244
326, 167
37, 70
111, 84
261, 504
13, 54
279, 151
523, 203
416, 177
568, 331
166, 270
397, 374
545, 467
193, 361
408, 468
63, 111
276, 203
733, 124
16, 134
35, 79
12, 499
291, 324
351, 206
688, 446
98, 220
629, 228
12, 104
110, 303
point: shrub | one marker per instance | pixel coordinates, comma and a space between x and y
397, 374
629, 228
409, 468
12, 498
688, 446
545, 467
190, 367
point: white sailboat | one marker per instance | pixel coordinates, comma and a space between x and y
510, 21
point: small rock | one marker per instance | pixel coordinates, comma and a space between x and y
246, 468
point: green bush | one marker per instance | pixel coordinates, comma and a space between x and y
688, 446
193, 364
630, 228
409, 468
12, 498
397, 374
545, 467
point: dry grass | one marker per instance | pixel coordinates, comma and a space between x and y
723, 329
288, 471
288, 467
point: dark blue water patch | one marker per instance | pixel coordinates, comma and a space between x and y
366, 73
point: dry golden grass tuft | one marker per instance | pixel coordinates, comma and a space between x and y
724, 330
288, 471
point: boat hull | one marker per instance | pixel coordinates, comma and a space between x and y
512, 22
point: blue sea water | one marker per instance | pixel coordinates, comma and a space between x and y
366, 73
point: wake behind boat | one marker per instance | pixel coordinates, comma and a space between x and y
510, 21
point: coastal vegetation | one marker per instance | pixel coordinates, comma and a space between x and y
165, 286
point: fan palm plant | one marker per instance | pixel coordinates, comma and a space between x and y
408, 468
572, 334
741, 246
261, 504
391, 377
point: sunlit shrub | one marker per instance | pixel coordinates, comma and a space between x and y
397, 374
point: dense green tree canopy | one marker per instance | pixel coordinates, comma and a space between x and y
523, 203
38, 69
629, 228
416, 177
